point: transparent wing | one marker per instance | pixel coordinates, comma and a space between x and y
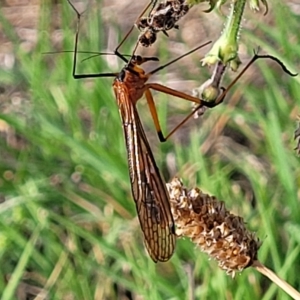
148, 187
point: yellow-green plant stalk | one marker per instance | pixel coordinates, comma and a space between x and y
225, 49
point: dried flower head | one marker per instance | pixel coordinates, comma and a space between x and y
205, 220
162, 18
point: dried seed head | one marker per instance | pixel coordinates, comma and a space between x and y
205, 220
161, 18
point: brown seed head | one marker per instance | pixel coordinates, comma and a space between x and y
205, 220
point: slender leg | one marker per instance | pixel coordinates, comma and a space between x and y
168, 91
130, 30
201, 103
79, 76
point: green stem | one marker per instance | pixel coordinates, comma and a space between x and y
233, 24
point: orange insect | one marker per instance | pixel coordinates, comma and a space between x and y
148, 187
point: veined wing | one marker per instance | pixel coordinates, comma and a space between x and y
148, 187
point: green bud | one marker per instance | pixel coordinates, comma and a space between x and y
225, 49
210, 90
254, 5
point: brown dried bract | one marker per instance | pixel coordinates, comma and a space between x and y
162, 18
297, 137
205, 220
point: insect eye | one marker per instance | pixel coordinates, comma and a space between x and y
138, 59
121, 75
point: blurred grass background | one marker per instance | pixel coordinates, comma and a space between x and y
67, 219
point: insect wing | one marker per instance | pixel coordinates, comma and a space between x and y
148, 187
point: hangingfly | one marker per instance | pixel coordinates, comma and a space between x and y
148, 187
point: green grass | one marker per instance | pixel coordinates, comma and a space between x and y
68, 222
